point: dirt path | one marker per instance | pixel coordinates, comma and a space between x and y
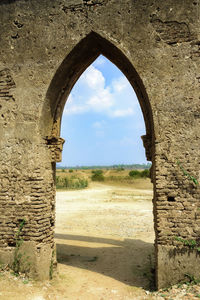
104, 237
105, 241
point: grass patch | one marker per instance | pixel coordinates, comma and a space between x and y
71, 183
80, 178
97, 175
139, 174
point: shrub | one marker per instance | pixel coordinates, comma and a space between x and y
78, 183
71, 170
120, 169
140, 174
71, 183
57, 180
145, 173
97, 175
134, 173
66, 182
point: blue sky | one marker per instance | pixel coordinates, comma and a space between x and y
102, 121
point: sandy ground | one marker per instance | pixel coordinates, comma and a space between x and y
104, 237
105, 241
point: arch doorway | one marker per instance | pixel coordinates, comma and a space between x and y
84, 54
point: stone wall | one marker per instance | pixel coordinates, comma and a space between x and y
44, 48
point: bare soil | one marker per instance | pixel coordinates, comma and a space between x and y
104, 237
105, 241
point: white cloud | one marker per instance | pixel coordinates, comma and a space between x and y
120, 84
70, 98
91, 94
101, 101
126, 101
76, 109
99, 124
93, 78
99, 62
123, 112
71, 108
99, 127
101, 98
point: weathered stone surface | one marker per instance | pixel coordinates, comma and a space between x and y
172, 32
44, 48
174, 261
55, 145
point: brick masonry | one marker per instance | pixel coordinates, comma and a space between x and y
44, 48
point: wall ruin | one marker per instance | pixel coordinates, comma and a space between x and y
45, 47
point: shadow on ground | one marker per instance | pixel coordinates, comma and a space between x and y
129, 261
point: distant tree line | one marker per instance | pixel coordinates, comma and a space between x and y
119, 167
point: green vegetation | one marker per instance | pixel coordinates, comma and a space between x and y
192, 178
191, 279
134, 173
139, 174
20, 259
192, 244
119, 167
80, 178
25, 281
71, 182
97, 175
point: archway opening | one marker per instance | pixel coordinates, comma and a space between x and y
70, 70
76, 62
101, 227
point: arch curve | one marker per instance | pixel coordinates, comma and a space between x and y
75, 63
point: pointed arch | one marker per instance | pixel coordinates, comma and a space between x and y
75, 63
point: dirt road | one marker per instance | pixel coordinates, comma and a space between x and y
104, 238
105, 241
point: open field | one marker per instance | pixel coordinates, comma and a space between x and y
104, 237
109, 249
110, 176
